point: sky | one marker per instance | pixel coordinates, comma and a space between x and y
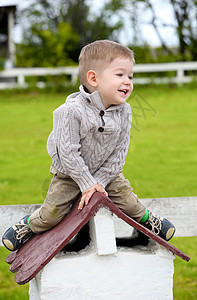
162, 9
165, 13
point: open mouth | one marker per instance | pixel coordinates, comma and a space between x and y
123, 92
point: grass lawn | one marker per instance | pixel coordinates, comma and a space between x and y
162, 158
9, 289
185, 273
161, 161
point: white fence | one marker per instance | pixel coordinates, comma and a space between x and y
18, 75
179, 67
181, 211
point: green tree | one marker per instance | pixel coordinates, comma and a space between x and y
184, 23
185, 12
45, 48
56, 33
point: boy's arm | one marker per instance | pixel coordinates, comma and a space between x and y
73, 163
116, 160
68, 143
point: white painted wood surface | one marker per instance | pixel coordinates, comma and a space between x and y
179, 67
181, 211
144, 273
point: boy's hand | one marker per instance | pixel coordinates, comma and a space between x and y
86, 195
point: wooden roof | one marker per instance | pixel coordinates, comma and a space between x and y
40, 249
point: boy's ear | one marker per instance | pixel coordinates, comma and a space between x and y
92, 78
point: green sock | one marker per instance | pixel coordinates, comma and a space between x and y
28, 221
145, 217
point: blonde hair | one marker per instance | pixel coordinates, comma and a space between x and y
98, 55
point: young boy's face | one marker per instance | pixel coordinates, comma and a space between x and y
114, 83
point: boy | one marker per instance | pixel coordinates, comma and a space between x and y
88, 146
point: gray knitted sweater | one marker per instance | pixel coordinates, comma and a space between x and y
89, 143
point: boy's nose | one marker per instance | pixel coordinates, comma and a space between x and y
127, 81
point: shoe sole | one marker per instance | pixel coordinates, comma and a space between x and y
8, 244
170, 233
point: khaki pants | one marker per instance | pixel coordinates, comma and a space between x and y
63, 191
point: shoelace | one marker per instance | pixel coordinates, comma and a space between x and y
155, 222
21, 232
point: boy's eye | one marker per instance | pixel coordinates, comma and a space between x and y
119, 74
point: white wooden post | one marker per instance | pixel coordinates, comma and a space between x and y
74, 76
21, 79
180, 75
11, 44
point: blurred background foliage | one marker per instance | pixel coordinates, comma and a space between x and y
53, 35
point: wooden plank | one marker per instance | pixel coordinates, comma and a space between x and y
151, 234
40, 249
181, 211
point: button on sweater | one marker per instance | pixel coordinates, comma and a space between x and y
89, 143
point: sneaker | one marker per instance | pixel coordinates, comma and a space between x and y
162, 227
17, 235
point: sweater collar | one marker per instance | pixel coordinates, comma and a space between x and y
96, 100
